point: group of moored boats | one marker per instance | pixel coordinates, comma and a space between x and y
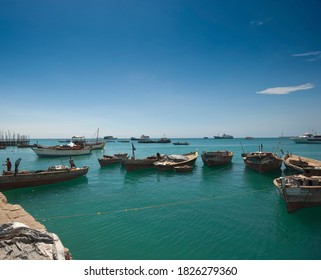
158, 161
258, 161
298, 191
303, 189
77, 146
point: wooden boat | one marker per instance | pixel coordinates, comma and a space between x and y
183, 168
171, 161
305, 165
108, 160
54, 174
93, 145
262, 161
217, 158
299, 191
62, 150
135, 164
180, 143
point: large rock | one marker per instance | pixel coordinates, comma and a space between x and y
19, 242
22, 237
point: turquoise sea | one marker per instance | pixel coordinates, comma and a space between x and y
228, 213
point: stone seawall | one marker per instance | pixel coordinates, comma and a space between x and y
22, 237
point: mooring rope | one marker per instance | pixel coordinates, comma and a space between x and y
214, 197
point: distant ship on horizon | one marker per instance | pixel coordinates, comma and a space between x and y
224, 136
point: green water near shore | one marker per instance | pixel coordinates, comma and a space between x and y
211, 213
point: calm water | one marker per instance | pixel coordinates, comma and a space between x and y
211, 213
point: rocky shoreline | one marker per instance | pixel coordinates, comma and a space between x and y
22, 237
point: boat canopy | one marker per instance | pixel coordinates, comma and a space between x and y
177, 157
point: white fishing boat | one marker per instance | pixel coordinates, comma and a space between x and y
63, 150
96, 144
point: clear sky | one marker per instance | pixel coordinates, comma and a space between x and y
175, 67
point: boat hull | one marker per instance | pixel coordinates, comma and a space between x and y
166, 165
29, 179
57, 152
262, 162
136, 164
308, 166
106, 162
306, 141
216, 158
172, 166
180, 143
295, 195
183, 168
110, 160
96, 146
307, 138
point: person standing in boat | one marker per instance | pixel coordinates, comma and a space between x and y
72, 163
8, 164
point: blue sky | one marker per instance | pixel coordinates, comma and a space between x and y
179, 68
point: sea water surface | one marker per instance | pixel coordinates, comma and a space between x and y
226, 213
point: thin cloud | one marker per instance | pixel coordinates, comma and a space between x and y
258, 23
286, 90
311, 56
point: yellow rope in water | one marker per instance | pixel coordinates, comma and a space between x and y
150, 206
111, 196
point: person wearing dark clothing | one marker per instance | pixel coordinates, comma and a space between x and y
8, 164
72, 163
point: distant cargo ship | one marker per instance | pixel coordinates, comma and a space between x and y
141, 137
109, 137
224, 136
